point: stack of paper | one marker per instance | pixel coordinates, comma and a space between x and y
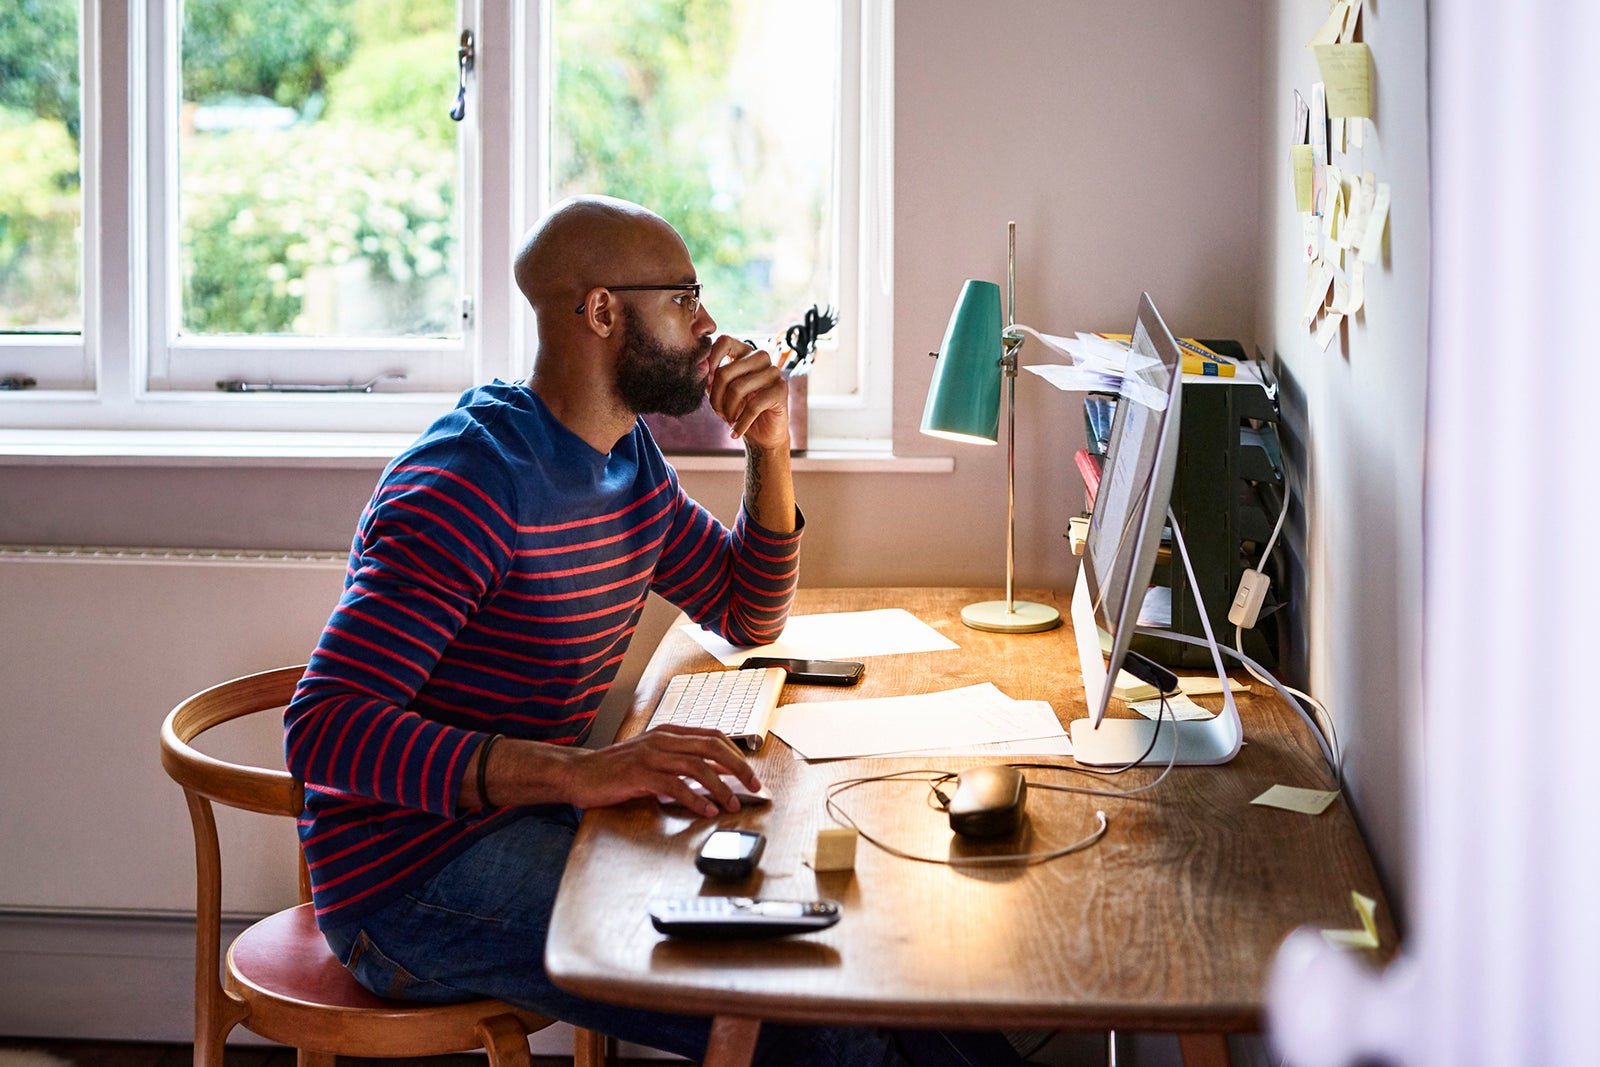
973, 719
835, 635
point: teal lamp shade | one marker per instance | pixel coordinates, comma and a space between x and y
964, 397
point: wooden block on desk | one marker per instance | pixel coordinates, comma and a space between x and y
835, 850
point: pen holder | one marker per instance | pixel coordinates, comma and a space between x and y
702, 432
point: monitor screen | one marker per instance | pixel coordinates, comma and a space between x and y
1125, 535
1130, 506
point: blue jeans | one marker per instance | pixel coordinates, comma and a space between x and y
478, 929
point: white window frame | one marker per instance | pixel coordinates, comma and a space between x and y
128, 357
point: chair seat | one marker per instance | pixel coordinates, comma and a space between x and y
283, 967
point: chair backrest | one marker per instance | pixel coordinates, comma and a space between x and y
258, 789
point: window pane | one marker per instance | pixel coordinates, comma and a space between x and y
41, 202
720, 116
318, 168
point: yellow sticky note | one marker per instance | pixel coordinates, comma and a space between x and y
1347, 79
1293, 798
1367, 936
1179, 708
1301, 159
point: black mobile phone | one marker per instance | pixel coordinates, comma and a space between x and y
730, 853
812, 671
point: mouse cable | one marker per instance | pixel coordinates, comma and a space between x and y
844, 819
1161, 716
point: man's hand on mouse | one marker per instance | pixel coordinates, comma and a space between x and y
749, 393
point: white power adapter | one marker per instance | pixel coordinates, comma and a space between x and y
1253, 586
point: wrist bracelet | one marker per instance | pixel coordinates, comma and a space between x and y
483, 768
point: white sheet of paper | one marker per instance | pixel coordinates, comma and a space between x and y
956, 718
835, 635
1372, 240
1326, 329
1052, 739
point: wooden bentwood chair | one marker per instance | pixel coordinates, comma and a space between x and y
282, 981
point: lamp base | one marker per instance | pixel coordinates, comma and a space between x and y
1023, 618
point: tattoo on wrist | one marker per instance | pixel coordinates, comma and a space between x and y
752, 472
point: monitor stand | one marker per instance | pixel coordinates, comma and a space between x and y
1122, 742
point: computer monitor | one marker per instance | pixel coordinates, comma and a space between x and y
1125, 534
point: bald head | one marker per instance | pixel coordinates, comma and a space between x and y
591, 241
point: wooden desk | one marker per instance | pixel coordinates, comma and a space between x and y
1168, 924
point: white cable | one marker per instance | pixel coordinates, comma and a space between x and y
1283, 513
1283, 690
1324, 716
843, 818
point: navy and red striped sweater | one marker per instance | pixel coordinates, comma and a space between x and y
495, 580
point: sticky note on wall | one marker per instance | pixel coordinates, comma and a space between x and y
1302, 162
1347, 79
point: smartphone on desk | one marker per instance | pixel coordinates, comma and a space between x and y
812, 671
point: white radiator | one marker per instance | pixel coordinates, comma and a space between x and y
96, 646
96, 857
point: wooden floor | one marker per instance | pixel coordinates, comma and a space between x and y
121, 1054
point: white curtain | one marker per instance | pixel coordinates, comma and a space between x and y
1502, 965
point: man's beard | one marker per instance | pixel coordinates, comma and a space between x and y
655, 378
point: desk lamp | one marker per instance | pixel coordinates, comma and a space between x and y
964, 405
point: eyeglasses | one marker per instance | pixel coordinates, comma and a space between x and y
689, 301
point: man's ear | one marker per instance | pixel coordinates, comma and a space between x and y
602, 313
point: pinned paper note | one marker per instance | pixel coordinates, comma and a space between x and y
1358, 287
1363, 192
1333, 206
1352, 15
1293, 798
1367, 936
1303, 166
1319, 144
1372, 240
1318, 278
1326, 329
1330, 31
1346, 78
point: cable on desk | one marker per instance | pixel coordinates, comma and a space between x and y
937, 777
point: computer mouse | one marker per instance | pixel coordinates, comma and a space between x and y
746, 795
988, 801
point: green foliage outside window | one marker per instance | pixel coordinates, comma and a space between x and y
40, 205
266, 218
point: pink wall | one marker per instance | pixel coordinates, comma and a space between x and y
1124, 140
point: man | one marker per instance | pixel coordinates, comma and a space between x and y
494, 582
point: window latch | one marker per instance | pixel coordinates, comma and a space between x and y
239, 385
465, 55
18, 381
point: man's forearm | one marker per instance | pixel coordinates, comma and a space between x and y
769, 487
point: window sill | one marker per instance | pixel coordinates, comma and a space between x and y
355, 451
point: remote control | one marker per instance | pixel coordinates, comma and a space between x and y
741, 916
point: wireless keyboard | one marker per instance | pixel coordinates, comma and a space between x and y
737, 702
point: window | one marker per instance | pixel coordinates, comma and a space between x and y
275, 197
41, 198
